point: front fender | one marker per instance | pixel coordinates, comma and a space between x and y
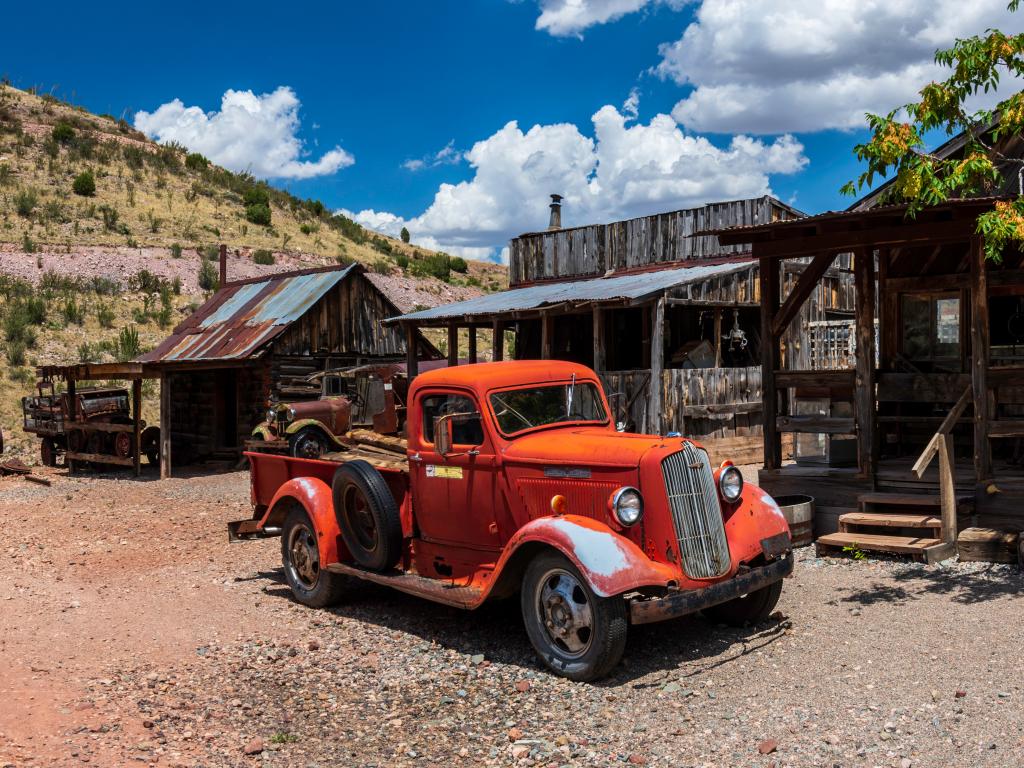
754, 518
294, 426
611, 563
263, 432
314, 495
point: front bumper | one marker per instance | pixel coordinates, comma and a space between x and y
693, 600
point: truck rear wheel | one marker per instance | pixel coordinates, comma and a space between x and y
300, 555
367, 515
578, 634
752, 608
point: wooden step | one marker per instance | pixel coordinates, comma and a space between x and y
899, 499
889, 520
929, 550
987, 545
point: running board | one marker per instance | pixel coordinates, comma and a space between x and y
440, 591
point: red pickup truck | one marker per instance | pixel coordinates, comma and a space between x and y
515, 480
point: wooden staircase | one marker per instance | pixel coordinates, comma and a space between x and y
904, 524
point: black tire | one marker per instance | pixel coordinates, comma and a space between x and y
151, 444
752, 608
367, 516
308, 443
300, 556
564, 646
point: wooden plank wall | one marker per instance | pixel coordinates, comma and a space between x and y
648, 240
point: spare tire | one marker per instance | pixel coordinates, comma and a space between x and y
367, 515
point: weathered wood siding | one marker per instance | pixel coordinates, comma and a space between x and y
735, 288
645, 241
346, 321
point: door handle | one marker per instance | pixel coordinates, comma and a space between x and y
416, 457
473, 452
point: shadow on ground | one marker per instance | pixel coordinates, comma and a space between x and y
992, 583
690, 644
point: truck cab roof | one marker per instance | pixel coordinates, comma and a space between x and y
483, 377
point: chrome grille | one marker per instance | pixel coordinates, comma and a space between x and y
696, 514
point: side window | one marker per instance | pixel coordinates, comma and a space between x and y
465, 431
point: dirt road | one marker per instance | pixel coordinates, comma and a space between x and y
132, 634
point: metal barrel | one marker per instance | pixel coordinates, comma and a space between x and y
799, 512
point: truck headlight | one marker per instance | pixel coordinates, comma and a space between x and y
730, 483
627, 505
271, 416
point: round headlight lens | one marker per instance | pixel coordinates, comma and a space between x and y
271, 416
291, 414
627, 506
730, 483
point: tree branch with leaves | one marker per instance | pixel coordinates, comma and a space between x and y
896, 148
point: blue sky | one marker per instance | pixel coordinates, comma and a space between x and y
382, 84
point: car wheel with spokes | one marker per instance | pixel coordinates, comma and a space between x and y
300, 554
578, 634
307, 443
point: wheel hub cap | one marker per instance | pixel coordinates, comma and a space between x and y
305, 557
565, 612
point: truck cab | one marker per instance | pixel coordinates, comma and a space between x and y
516, 480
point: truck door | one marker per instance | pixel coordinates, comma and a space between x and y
454, 495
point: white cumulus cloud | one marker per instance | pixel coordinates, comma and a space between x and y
447, 155
255, 133
563, 18
625, 169
772, 66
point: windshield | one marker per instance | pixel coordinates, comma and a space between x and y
520, 409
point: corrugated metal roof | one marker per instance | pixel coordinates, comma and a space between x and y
242, 317
638, 285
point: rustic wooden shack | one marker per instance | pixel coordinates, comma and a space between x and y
259, 339
933, 401
670, 319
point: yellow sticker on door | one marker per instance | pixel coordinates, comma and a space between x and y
436, 470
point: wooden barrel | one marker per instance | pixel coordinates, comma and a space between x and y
799, 513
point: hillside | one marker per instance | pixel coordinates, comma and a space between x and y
108, 240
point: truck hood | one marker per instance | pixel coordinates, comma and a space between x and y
586, 446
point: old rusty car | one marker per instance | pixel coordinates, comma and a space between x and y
514, 479
47, 415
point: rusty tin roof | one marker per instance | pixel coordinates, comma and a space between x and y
241, 318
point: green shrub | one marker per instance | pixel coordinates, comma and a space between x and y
128, 346
262, 256
258, 213
134, 156
145, 281
25, 201
6, 174
154, 222
176, 285
175, 250
85, 353
402, 261
308, 229
209, 280
73, 312
15, 353
256, 195
63, 133
104, 315
110, 217
432, 265
27, 243
196, 162
84, 184
53, 211
382, 267
404, 235
458, 264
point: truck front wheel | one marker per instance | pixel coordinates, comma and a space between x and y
578, 634
752, 608
300, 555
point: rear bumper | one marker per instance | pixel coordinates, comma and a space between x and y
691, 601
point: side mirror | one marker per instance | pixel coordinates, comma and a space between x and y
443, 434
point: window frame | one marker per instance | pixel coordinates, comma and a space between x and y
602, 399
471, 396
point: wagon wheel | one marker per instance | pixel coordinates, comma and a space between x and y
123, 445
48, 452
76, 441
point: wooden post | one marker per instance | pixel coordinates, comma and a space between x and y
497, 341
718, 337
72, 415
599, 362
979, 360
165, 425
412, 361
546, 333
657, 364
947, 489
472, 344
864, 385
137, 425
768, 278
453, 345
223, 266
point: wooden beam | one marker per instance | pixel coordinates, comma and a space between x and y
165, 425
718, 337
864, 385
887, 312
828, 425
802, 289
979, 360
657, 365
547, 332
472, 344
838, 242
453, 345
412, 360
497, 341
599, 360
768, 279
137, 425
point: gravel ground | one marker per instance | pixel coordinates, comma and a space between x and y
131, 633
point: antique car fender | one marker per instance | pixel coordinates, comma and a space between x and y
294, 426
314, 495
751, 520
263, 432
611, 563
